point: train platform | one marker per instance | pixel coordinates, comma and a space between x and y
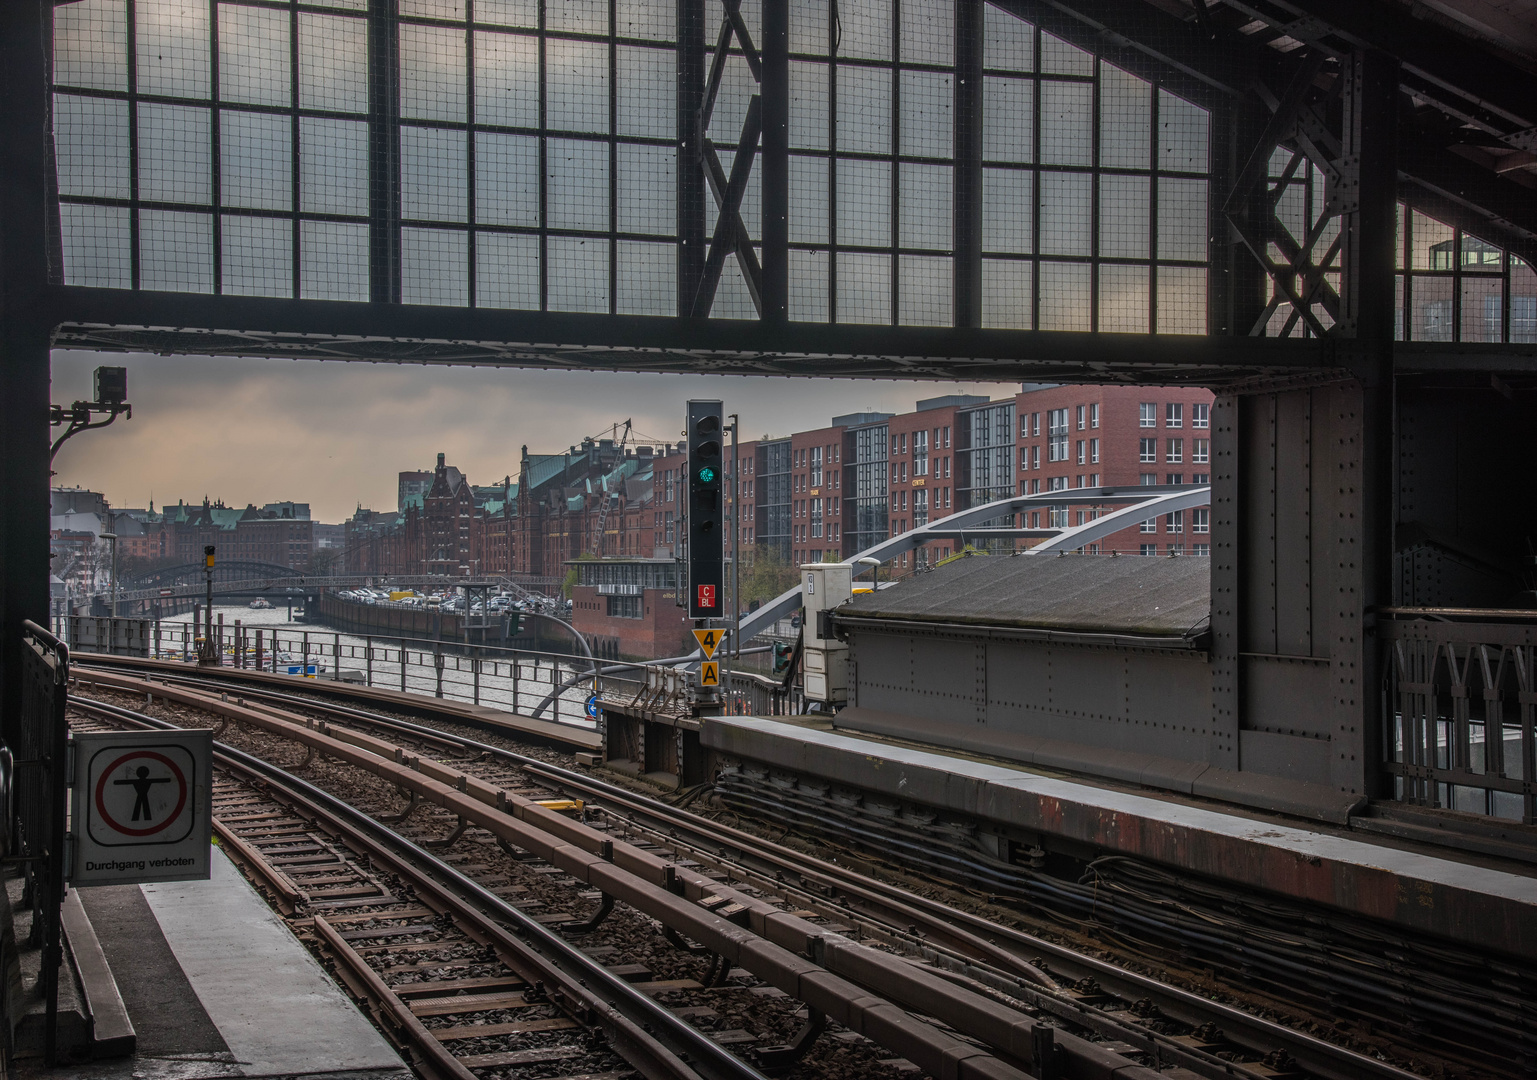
1479, 901
203, 980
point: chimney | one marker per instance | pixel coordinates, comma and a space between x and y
441, 461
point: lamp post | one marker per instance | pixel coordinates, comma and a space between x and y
875, 571
111, 539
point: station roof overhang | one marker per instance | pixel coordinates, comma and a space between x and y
111, 320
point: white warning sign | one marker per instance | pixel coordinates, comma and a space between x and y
142, 808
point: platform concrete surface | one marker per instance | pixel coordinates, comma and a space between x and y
217, 986
1488, 904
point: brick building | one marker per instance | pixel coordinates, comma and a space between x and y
628, 608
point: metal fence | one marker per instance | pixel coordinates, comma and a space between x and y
1461, 698
37, 737
515, 680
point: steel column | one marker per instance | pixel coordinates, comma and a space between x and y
691, 176
967, 270
383, 155
25, 27
1367, 306
776, 161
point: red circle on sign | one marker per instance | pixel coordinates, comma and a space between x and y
101, 791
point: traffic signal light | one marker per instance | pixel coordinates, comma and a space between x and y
706, 511
781, 659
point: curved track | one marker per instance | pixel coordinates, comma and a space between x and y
1148, 1019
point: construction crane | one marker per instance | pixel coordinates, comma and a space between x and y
600, 523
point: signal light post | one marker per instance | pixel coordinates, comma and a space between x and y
706, 528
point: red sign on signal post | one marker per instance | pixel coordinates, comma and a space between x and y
706, 596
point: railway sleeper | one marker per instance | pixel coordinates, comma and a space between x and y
773, 948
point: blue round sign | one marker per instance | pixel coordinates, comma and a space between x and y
592, 707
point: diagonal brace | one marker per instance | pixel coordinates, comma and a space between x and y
726, 237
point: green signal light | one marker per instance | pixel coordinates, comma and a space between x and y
707, 475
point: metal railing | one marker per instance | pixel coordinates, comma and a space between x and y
1460, 700
37, 737
514, 680
665, 689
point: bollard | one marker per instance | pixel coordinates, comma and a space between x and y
336, 674
402, 665
475, 669
368, 661
304, 656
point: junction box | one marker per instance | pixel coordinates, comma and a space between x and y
825, 586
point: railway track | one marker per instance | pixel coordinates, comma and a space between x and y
429, 948
1104, 1018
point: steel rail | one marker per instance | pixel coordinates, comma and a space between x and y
840, 980
1000, 946
664, 1047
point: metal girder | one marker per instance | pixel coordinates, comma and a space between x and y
730, 235
1134, 32
1458, 192
1454, 69
121, 320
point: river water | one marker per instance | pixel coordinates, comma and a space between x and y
511, 682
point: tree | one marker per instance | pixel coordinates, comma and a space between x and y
324, 562
572, 576
767, 576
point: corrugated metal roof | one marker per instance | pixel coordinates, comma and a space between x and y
1161, 597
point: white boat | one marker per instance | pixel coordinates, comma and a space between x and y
259, 605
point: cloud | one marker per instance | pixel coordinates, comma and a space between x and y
336, 434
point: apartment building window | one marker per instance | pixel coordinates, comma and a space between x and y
1174, 415
668, 486
1200, 519
816, 466
1174, 452
1094, 421
1175, 478
1148, 413
1035, 519
1201, 550
1083, 451
668, 524
1079, 516
1094, 481
1148, 450
1200, 451
816, 517
1035, 456
1148, 526
947, 438
947, 498
625, 607
1200, 416
1057, 445
1174, 522
920, 453
1176, 549
1149, 549
1056, 483
1094, 451
1035, 487
1024, 425
1200, 478
920, 508
1024, 458
1081, 416
1035, 424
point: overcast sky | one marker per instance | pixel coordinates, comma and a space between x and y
334, 435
